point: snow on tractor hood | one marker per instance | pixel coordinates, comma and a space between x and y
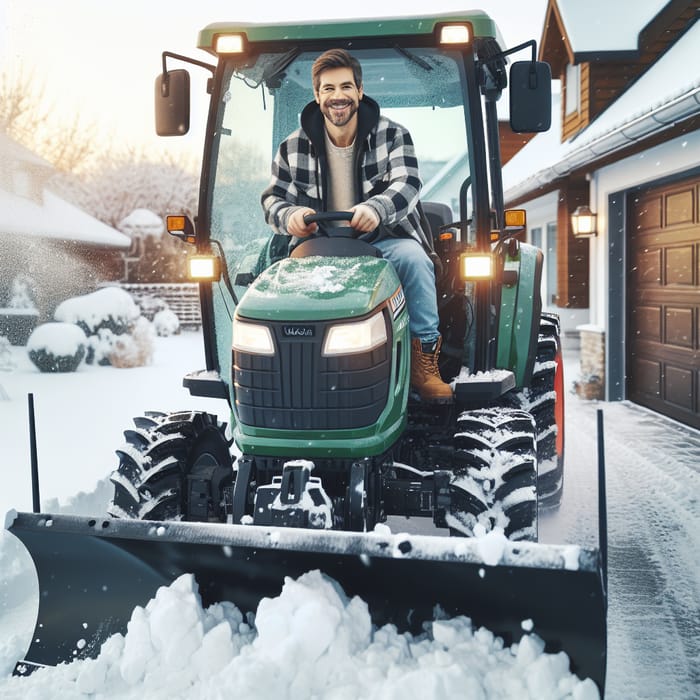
319, 288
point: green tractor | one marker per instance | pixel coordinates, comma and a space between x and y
310, 348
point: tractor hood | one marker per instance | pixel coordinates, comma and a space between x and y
319, 288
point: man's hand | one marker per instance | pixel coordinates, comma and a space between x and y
297, 227
365, 219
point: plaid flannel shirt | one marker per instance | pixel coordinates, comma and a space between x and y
386, 169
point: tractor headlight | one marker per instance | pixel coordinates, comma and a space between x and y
360, 336
252, 337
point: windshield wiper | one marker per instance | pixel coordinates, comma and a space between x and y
412, 57
273, 73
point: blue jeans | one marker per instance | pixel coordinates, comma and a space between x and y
417, 275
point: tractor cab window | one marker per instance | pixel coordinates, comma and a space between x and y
261, 103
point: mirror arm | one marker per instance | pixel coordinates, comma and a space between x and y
164, 87
532, 43
187, 59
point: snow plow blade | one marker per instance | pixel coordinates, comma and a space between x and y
93, 572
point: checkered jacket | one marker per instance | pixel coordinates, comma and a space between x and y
386, 170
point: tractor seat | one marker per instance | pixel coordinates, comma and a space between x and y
437, 215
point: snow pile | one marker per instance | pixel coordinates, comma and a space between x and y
315, 276
310, 641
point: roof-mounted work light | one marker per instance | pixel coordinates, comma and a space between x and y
230, 43
455, 34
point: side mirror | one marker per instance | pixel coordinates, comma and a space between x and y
172, 96
530, 96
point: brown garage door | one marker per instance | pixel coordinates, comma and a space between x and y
663, 300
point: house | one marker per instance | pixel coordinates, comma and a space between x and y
55, 248
625, 143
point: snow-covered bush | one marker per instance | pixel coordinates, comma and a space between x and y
109, 317
166, 323
57, 347
100, 347
6, 362
133, 349
150, 306
112, 308
19, 317
22, 293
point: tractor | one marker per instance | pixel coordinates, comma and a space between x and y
309, 345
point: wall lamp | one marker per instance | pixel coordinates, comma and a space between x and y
583, 222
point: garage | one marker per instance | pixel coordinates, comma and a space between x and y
663, 299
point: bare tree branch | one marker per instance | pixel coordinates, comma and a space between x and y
28, 118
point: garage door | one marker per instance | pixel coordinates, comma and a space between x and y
663, 300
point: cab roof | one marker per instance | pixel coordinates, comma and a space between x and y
482, 25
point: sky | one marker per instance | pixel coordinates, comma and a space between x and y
102, 63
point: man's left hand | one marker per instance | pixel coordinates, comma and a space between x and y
364, 219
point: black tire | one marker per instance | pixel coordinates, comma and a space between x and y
544, 399
150, 482
494, 482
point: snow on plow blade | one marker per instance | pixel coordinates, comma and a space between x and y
92, 573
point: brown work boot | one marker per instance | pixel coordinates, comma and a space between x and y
425, 375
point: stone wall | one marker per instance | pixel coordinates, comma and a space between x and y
591, 382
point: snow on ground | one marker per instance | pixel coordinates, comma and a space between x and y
310, 641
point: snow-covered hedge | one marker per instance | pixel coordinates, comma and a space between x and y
110, 308
57, 347
117, 333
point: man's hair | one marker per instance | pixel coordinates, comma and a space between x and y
335, 58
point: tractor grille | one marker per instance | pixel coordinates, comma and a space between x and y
298, 389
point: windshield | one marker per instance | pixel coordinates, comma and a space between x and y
261, 103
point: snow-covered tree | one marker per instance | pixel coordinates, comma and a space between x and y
119, 184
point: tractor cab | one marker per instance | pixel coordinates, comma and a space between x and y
312, 353
439, 78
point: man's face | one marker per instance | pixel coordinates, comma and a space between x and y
338, 96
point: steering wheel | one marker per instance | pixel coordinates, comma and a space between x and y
333, 241
325, 217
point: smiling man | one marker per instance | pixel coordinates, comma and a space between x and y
349, 157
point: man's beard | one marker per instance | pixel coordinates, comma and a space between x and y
350, 109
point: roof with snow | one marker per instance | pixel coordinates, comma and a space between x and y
667, 93
596, 26
16, 151
44, 214
55, 219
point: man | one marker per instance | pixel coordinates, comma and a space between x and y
348, 157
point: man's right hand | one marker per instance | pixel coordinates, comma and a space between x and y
297, 227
